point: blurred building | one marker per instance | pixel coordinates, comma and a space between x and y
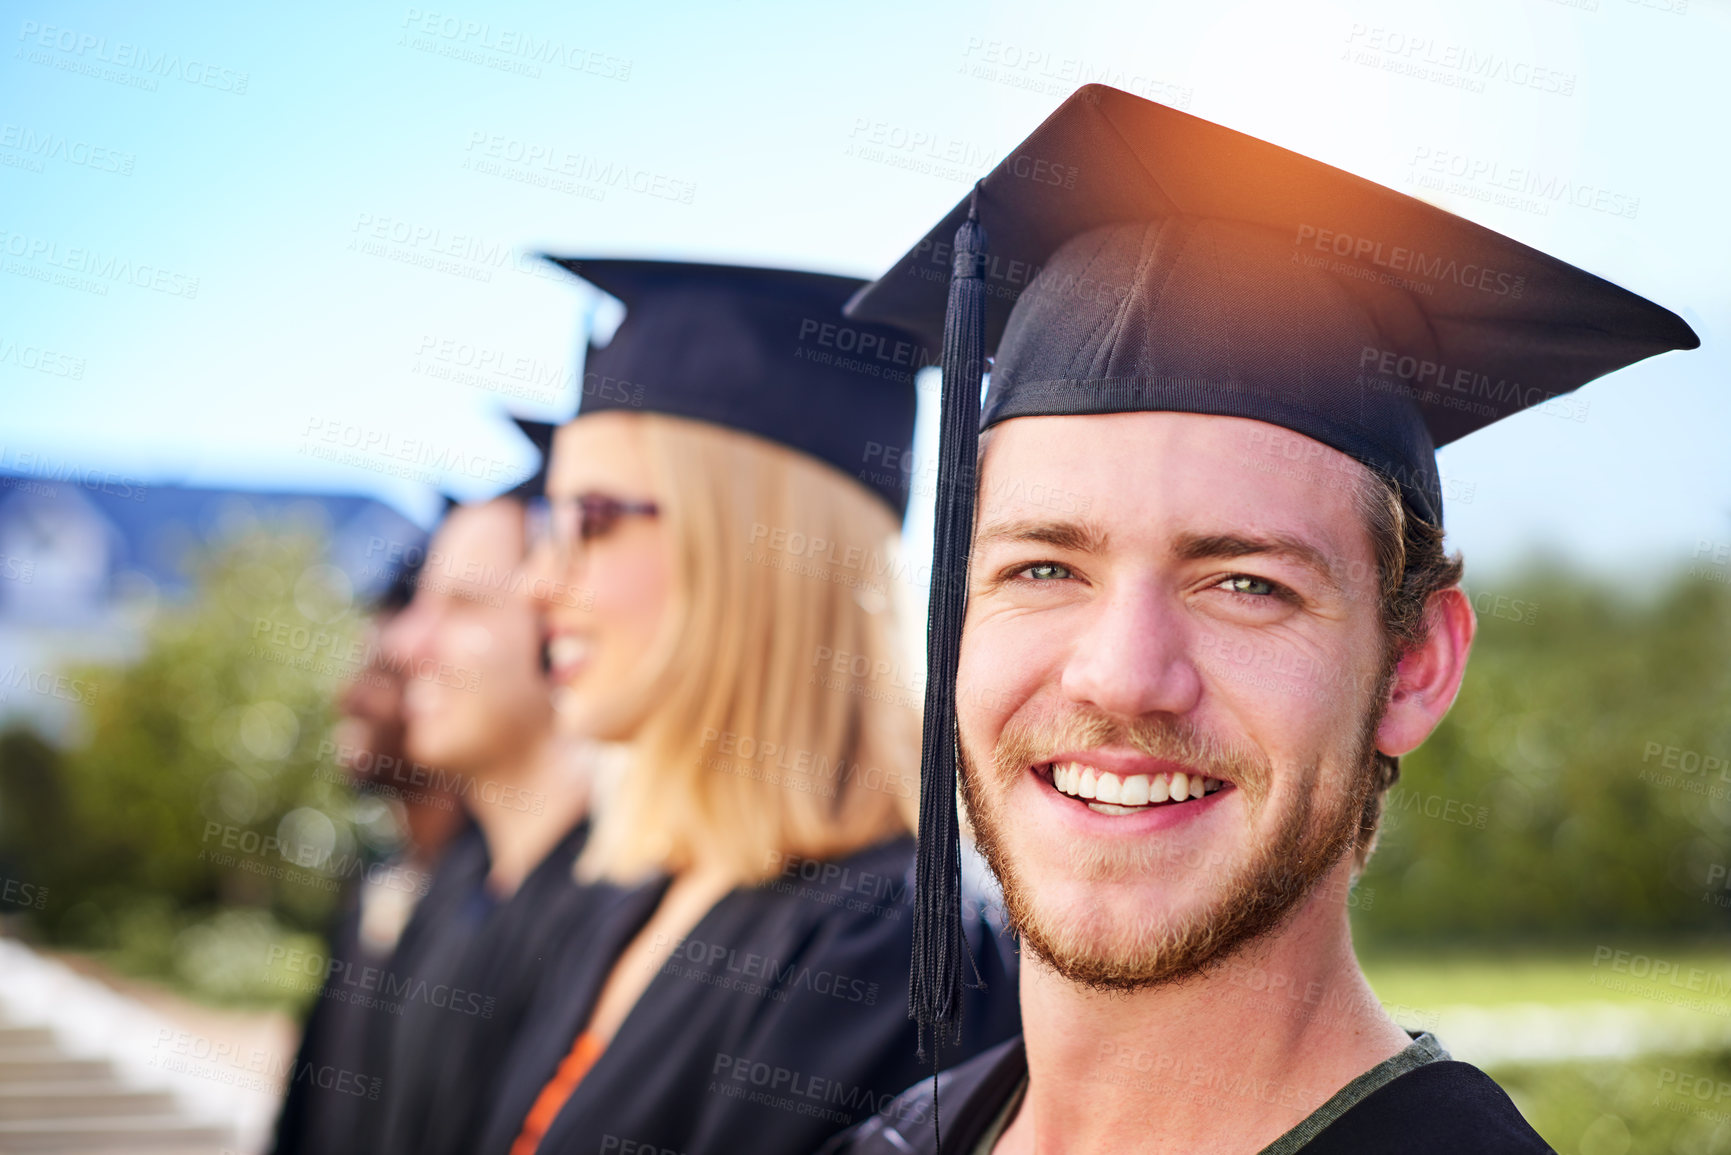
84, 568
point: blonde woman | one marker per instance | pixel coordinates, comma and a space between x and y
720, 578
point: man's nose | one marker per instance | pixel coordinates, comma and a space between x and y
1134, 658
410, 634
548, 576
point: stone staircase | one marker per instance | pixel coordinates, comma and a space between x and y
86, 1071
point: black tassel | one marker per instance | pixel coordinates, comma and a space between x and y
935, 991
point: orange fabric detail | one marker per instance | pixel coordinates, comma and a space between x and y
552, 1098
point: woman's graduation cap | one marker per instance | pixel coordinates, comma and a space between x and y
1141, 259
540, 435
763, 351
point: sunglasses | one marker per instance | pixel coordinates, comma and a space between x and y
568, 523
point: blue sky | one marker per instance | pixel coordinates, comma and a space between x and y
236, 241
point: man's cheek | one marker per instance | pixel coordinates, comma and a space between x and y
987, 690
468, 645
978, 732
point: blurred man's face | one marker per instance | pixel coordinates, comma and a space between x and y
369, 733
474, 696
1169, 683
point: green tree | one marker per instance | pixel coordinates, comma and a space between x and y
204, 795
1543, 806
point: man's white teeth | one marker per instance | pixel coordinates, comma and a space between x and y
566, 650
1107, 793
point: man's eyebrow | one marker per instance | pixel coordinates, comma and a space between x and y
1202, 546
1075, 536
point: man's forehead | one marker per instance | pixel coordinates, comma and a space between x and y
481, 538
1133, 433
1223, 457
1198, 483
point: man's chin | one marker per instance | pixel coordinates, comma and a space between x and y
1150, 921
1106, 945
434, 751
1115, 973
360, 740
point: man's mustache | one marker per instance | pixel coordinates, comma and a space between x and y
1033, 740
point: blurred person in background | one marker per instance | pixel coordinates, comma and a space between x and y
477, 707
375, 909
716, 501
369, 741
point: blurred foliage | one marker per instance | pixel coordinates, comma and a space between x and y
1659, 1105
203, 821
1438, 974
1526, 817
1542, 808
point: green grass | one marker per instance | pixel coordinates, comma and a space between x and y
1647, 1105
1483, 977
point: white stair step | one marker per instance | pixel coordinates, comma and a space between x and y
119, 1133
48, 1065
80, 1099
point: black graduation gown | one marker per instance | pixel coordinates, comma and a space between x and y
307, 1120
337, 1080
482, 968
1440, 1108
780, 1019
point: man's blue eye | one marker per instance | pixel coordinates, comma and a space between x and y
1047, 571
1248, 585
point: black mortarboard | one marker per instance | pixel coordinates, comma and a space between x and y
540, 434
406, 577
1143, 259
400, 590
764, 351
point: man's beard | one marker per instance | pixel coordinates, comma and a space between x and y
1256, 894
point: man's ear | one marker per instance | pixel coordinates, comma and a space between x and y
1429, 676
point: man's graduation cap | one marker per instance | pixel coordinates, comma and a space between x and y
1143, 259
399, 591
763, 351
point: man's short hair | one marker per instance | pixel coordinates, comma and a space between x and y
1411, 566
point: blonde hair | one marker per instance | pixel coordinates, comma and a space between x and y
779, 723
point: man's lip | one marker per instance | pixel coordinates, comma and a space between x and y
420, 697
1075, 818
558, 671
1125, 763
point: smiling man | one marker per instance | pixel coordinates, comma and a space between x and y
1198, 551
